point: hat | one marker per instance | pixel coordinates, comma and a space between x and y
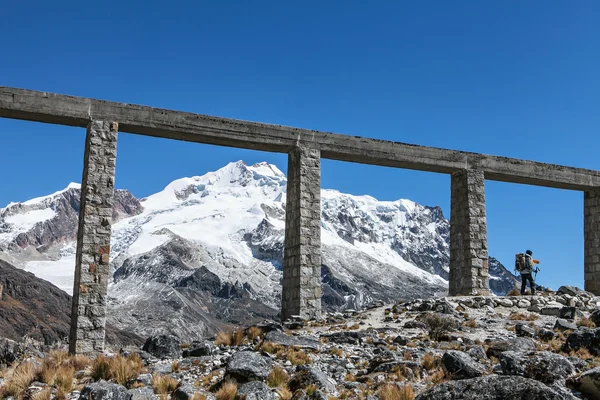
529, 252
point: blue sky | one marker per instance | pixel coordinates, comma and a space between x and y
511, 78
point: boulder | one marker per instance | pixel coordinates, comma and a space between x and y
348, 337
551, 309
504, 302
246, 366
185, 391
256, 390
268, 326
400, 340
586, 338
587, 383
460, 365
595, 317
517, 344
103, 390
493, 387
569, 312
144, 393
301, 342
10, 351
199, 349
163, 346
544, 366
523, 303
564, 325
310, 375
570, 290
477, 352
545, 334
524, 330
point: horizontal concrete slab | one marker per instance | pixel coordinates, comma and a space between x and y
78, 111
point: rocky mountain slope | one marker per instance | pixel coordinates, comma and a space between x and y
207, 250
456, 348
32, 308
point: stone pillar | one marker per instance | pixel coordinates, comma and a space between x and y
468, 235
88, 312
301, 293
591, 240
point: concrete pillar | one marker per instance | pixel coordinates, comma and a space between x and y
591, 240
88, 312
468, 235
301, 293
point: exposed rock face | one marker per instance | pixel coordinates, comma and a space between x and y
543, 366
493, 387
104, 391
32, 307
162, 346
587, 383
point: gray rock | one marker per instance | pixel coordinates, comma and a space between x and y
400, 340
504, 302
256, 390
246, 366
287, 340
524, 330
10, 351
348, 337
477, 352
307, 375
587, 383
523, 303
460, 365
199, 349
569, 313
564, 325
595, 317
144, 393
103, 390
544, 366
185, 391
570, 290
545, 335
493, 387
551, 310
586, 338
163, 346
516, 344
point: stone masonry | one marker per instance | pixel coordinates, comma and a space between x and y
468, 235
301, 293
591, 240
88, 313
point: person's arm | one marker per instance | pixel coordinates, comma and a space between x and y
536, 261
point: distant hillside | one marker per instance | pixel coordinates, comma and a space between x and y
32, 307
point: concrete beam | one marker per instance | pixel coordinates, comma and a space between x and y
77, 111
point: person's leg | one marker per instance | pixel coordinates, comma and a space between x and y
523, 283
531, 284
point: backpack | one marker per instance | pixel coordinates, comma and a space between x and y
520, 262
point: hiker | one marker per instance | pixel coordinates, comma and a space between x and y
524, 264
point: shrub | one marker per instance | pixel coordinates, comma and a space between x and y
64, 378
223, 338
390, 391
284, 393
254, 332
19, 380
438, 325
429, 362
100, 368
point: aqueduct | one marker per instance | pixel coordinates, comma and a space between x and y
302, 255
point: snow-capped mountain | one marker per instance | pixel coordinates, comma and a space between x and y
207, 250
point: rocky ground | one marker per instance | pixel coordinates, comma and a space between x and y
541, 347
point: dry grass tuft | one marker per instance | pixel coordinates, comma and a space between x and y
586, 322
64, 378
198, 396
390, 391
335, 351
175, 366
298, 357
523, 317
79, 361
58, 356
272, 348
437, 377
237, 337
227, 392
164, 384
429, 361
254, 332
278, 377
122, 369
100, 368
19, 380
223, 338
471, 323
514, 292
284, 393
